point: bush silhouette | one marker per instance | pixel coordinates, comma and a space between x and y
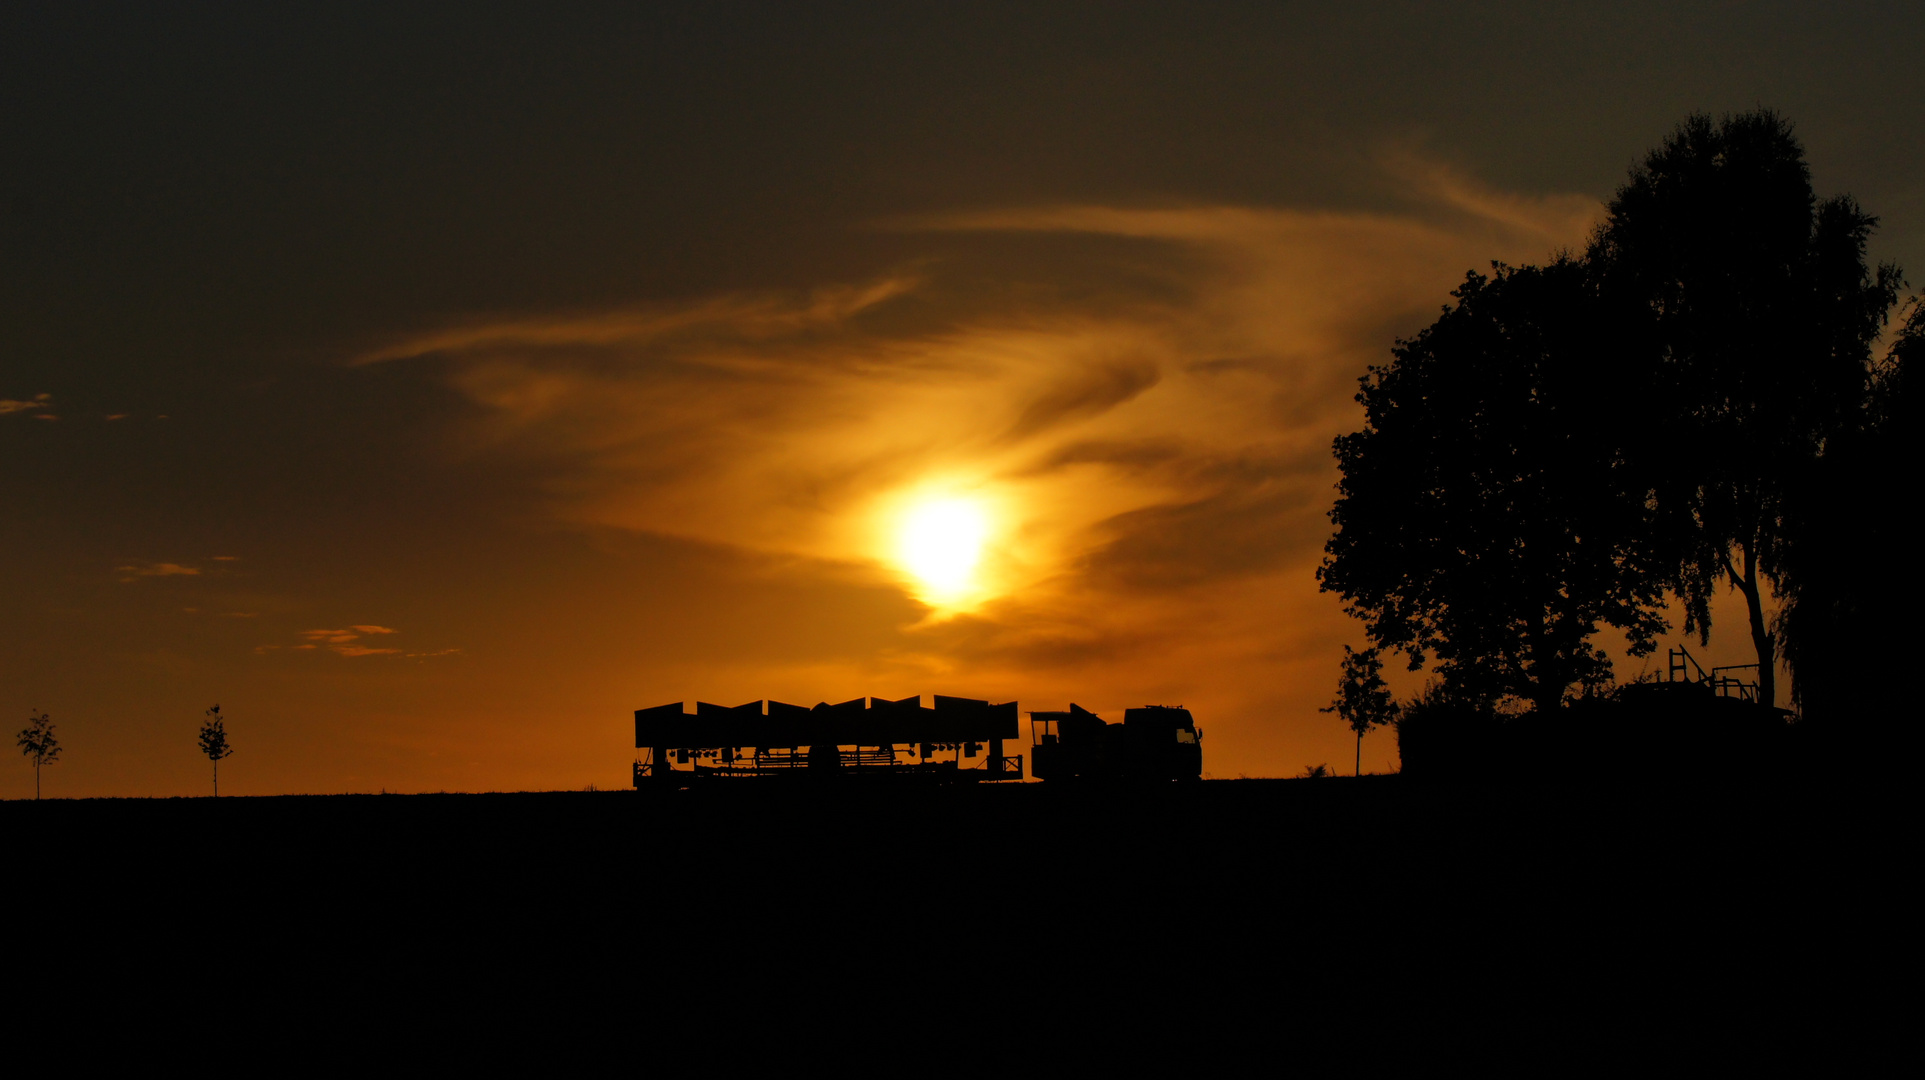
1445, 733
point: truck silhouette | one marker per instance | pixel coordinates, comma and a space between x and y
959, 740
1156, 742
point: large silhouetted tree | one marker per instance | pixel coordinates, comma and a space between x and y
1486, 512
1750, 311
1848, 620
37, 741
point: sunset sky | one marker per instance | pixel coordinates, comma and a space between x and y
433, 385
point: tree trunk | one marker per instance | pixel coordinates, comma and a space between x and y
1761, 639
1358, 768
1548, 699
1546, 675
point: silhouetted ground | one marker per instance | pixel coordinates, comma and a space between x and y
1193, 907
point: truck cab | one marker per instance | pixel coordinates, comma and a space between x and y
1155, 742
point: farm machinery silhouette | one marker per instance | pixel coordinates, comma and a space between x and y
959, 740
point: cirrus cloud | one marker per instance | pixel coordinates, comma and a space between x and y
1151, 434
133, 572
343, 642
38, 405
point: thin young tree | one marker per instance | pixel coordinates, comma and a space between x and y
1363, 698
214, 744
37, 742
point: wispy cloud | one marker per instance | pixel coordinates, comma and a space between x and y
348, 641
345, 642
133, 572
1558, 219
787, 422
749, 317
1086, 392
1152, 438
39, 406
362, 650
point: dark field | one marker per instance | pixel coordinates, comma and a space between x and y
1211, 898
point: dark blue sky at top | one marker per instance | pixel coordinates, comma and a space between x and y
202, 196
214, 179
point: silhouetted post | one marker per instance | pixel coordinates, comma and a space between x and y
37, 741
214, 744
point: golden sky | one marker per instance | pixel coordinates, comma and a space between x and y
434, 411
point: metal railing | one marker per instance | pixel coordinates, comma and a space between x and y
1682, 663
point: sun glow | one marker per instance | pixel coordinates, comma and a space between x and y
940, 542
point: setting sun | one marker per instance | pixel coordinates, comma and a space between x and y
941, 543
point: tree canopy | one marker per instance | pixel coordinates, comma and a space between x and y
1487, 512
1847, 618
1677, 408
1750, 313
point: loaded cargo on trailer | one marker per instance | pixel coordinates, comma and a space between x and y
879, 738
959, 740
